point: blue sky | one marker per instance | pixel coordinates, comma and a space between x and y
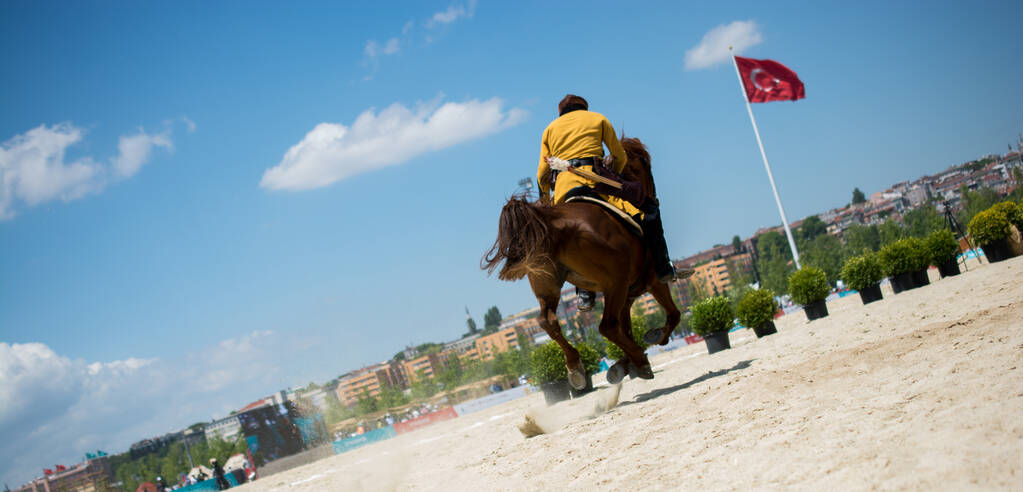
203, 203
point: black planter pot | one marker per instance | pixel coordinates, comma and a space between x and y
717, 342
871, 294
816, 310
949, 268
765, 329
997, 251
589, 388
556, 391
902, 281
920, 278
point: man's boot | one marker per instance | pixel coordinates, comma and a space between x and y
588, 299
653, 236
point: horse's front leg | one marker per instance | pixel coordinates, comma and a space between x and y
613, 326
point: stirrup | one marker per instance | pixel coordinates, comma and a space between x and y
587, 301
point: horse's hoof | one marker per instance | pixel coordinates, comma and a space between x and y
644, 372
616, 373
577, 380
653, 337
684, 273
633, 371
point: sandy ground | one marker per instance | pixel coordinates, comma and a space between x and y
923, 390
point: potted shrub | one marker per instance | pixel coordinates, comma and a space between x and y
809, 287
990, 228
711, 319
1014, 214
944, 251
901, 259
547, 364
756, 310
863, 274
920, 261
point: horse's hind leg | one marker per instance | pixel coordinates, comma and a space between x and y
662, 294
613, 325
548, 293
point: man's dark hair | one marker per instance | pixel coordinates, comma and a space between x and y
571, 103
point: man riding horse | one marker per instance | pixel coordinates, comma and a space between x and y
579, 136
568, 239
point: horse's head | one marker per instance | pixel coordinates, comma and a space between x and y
637, 168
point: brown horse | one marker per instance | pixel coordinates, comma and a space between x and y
584, 244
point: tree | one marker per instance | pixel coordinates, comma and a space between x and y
858, 197
860, 238
976, 201
923, 220
775, 261
736, 244
812, 227
492, 319
890, 231
827, 253
391, 396
366, 403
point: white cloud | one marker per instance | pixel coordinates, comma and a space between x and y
34, 170
54, 409
713, 48
453, 13
375, 49
333, 151
135, 150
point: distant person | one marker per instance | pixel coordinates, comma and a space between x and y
160, 486
201, 476
218, 473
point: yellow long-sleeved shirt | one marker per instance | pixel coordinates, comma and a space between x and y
576, 135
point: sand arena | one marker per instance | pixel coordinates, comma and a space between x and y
923, 390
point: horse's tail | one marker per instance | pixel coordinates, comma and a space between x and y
525, 240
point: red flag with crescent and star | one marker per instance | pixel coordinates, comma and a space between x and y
768, 80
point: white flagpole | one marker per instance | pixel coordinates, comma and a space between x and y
784, 221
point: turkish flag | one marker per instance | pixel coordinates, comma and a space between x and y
768, 80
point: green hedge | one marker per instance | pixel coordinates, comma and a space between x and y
904, 256
756, 308
808, 285
863, 271
942, 247
989, 226
712, 315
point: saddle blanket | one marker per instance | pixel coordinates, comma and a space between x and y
629, 221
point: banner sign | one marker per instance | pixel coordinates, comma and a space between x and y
490, 400
446, 413
364, 439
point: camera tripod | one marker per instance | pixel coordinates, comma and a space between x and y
957, 231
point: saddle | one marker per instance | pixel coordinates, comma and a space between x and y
629, 222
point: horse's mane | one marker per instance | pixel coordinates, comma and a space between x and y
637, 167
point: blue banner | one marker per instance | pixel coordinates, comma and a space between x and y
364, 439
310, 427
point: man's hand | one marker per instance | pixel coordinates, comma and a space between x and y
608, 161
